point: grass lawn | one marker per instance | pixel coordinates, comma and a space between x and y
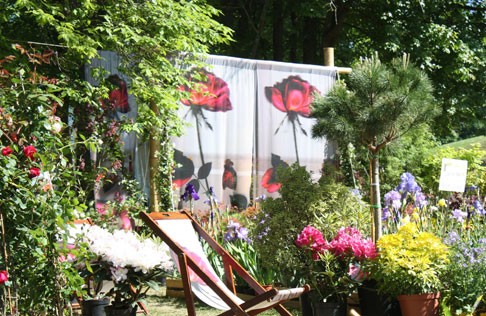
160, 305
466, 143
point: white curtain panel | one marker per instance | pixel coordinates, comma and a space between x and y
225, 137
283, 127
248, 118
267, 125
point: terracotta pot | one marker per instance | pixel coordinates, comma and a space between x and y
419, 304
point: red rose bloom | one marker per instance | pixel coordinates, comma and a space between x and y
29, 152
34, 172
211, 93
292, 95
6, 151
119, 95
3, 276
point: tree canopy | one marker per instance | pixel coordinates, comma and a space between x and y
445, 38
376, 105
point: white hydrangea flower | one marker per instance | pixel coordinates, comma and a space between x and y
124, 250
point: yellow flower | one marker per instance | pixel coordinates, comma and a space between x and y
441, 203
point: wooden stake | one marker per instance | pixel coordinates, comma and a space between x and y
329, 61
154, 152
329, 56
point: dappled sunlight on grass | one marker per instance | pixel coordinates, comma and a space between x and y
160, 305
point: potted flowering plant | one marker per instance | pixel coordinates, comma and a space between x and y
131, 262
334, 267
411, 262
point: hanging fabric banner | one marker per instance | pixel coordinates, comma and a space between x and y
244, 120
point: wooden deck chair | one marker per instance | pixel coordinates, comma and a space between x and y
76, 304
181, 233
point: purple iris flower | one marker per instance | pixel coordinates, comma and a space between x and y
452, 238
393, 198
261, 198
420, 199
190, 193
235, 231
479, 207
357, 193
408, 183
386, 214
459, 215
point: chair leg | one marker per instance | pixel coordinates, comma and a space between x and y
191, 309
282, 310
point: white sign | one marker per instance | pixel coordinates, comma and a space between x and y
453, 175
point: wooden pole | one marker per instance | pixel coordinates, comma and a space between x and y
329, 61
154, 152
329, 56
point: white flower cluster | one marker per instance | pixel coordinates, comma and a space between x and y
124, 250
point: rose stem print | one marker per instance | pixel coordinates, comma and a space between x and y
207, 92
292, 96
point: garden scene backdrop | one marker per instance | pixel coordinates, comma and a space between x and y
361, 154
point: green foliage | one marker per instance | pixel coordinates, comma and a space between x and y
452, 56
155, 40
403, 155
43, 89
325, 205
410, 262
465, 277
40, 189
428, 171
375, 105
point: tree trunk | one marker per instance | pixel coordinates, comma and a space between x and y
278, 29
375, 197
309, 42
154, 152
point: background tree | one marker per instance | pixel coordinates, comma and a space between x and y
377, 104
444, 37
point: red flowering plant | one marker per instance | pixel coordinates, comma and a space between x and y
334, 266
39, 191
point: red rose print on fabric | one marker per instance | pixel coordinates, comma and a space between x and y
292, 96
208, 92
269, 179
185, 170
118, 97
229, 175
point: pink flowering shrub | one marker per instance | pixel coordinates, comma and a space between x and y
334, 266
